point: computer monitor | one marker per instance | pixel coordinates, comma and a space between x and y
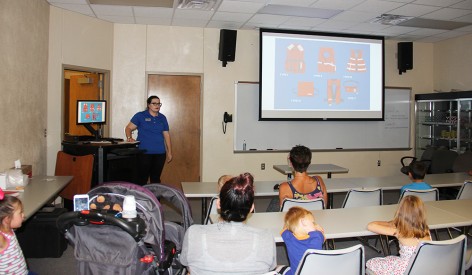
91, 112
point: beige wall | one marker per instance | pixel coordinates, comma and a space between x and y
76, 40
23, 84
453, 64
193, 50
132, 51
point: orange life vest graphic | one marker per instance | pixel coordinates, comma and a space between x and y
356, 62
326, 61
295, 60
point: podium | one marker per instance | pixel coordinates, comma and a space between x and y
113, 161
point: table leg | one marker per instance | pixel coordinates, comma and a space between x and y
204, 209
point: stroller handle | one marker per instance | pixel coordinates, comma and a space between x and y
134, 227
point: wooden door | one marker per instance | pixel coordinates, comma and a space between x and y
80, 89
180, 98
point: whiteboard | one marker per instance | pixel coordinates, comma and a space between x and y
391, 134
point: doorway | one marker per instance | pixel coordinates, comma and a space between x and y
84, 84
180, 97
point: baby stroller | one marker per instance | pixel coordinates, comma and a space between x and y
175, 200
106, 243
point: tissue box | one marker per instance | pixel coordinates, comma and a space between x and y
26, 170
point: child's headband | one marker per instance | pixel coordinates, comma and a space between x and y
1, 194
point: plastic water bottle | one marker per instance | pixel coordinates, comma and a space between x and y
129, 207
244, 145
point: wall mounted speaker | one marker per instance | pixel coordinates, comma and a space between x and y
227, 46
405, 56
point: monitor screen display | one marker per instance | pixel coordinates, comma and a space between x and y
320, 76
91, 111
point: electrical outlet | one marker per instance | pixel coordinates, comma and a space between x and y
378, 162
262, 166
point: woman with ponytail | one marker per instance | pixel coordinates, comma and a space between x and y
229, 246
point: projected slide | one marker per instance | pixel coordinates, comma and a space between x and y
317, 77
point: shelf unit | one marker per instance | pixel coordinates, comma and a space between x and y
443, 120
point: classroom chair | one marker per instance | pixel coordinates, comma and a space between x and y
314, 204
347, 261
211, 209
452, 253
425, 195
360, 198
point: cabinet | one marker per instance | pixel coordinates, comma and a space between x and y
443, 120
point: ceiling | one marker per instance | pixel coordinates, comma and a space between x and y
428, 20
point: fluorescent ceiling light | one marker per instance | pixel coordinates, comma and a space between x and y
433, 24
141, 3
197, 4
390, 19
298, 11
408, 21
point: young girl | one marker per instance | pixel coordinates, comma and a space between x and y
299, 234
12, 260
409, 227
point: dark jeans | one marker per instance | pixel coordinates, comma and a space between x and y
150, 166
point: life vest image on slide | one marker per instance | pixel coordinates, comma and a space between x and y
306, 88
356, 63
314, 76
326, 61
295, 60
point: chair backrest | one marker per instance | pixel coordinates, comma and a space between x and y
211, 209
439, 257
362, 197
442, 161
314, 204
425, 195
345, 261
81, 167
463, 162
466, 191
468, 259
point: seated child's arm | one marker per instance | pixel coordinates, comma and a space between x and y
382, 227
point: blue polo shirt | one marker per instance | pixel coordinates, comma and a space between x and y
416, 186
296, 248
150, 131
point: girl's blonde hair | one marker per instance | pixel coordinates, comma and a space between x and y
222, 180
293, 216
410, 218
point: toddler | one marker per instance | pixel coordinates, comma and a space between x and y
12, 260
299, 234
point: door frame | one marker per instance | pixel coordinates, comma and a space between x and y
105, 93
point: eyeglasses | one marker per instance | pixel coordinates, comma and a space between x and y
156, 104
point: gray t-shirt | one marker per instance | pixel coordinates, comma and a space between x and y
228, 248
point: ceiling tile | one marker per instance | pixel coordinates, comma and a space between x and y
231, 16
466, 18
438, 3
303, 22
467, 4
446, 14
101, 10
336, 4
153, 21
355, 16
224, 25
298, 3
413, 10
82, 2
193, 14
239, 6
153, 12
269, 19
377, 6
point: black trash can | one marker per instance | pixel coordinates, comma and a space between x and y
39, 236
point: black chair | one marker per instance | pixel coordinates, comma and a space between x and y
425, 158
463, 162
442, 161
